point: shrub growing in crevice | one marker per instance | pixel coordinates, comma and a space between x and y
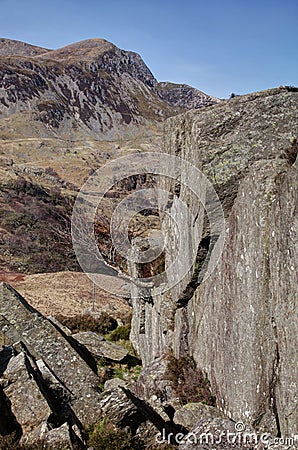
121, 332
11, 442
86, 322
189, 382
105, 436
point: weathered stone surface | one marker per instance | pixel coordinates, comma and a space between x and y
221, 434
98, 346
58, 324
28, 405
114, 383
217, 434
244, 352
146, 422
62, 437
116, 405
152, 383
42, 341
240, 323
283, 267
189, 415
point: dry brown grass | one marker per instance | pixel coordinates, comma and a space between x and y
69, 293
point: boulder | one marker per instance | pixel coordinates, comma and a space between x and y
98, 346
114, 383
42, 341
152, 383
189, 415
65, 437
28, 405
119, 408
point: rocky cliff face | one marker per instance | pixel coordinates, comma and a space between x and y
239, 324
88, 89
184, 96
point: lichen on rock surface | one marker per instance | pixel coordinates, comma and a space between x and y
239, 325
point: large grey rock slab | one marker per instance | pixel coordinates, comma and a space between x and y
144, 421
27, 403
117, 405
152, 382
246, 313
224, 434
64, 437
241, 323
100, 347
43, 341
189, 414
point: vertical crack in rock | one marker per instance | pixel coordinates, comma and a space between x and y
274, 381
156, 419
201, 264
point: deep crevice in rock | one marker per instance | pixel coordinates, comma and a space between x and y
170, 428
8, 422
272, 386
201, 263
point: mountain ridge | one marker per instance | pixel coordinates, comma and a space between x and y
89, 88
11, 47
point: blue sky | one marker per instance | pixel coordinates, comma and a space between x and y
217, 46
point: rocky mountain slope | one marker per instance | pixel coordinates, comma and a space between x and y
9, 47
90, 89
184, 96
63, 114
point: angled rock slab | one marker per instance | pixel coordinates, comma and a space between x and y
58, 324
145, 422
64, 437
43, 341
27, 403
116, 405
98, 346
152, 382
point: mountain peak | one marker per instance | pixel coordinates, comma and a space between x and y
89, 88
82, 50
